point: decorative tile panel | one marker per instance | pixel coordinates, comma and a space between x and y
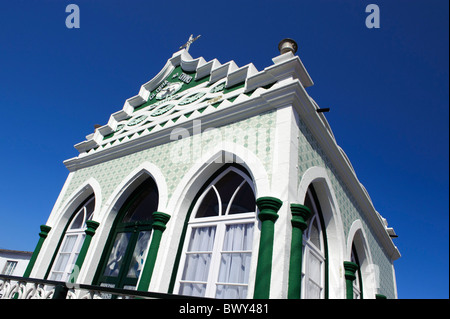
310, 155
254, 133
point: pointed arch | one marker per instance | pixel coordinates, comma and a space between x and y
190, 186
89, 187
89, 191
357, 241
332, 224
112, 207
130, 183
213, 159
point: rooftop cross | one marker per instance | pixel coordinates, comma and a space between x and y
188, 44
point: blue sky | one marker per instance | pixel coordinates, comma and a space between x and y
387, 89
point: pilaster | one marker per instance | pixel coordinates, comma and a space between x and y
42, 236
300, 214
159, 225
268, 209
350, 275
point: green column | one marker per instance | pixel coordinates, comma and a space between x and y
42, 235
90, 232
350, 275
300, 215
159, 225
268, 208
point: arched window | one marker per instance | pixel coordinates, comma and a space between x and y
123, 258
314, 251
72, 241
217, 254
357, 283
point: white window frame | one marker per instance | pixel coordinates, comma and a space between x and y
73, 254
9, 267
356, 282
311, 249
220, 222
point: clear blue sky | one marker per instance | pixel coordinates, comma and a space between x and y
387, 89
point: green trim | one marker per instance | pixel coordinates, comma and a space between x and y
268, 208
350, 270
380, 296
172, 78
55, 254
90, 232
117, 227
159, 225
42, 236
300, 214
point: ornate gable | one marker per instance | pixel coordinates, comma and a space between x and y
185, 89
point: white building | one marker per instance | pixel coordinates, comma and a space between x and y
13, 262
218, 181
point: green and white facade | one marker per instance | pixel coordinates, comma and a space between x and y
219, 181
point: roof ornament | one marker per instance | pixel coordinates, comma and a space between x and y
287, 45
188, 44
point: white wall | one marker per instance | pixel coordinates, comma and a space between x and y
22, 258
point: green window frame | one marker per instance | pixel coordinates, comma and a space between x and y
122, 259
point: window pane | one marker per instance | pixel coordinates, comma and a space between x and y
191, 289
9, 267
78, 220
202, 239
314, 268
231, 292
238, 237
90, 209
235, 268
143, 207
117, 253
137, 261
61, 263
235, 261
209, 206
85, 213
56, 276
314, 234
244, 201
196, 267
313, 291
69, 242
226, 187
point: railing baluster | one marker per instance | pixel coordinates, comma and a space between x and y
12, 287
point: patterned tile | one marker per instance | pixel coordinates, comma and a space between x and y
311, 155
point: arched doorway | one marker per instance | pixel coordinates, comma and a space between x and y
123, 257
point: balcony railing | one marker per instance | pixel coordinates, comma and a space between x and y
12, 287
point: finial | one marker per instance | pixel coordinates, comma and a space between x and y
287, 45
188, 44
